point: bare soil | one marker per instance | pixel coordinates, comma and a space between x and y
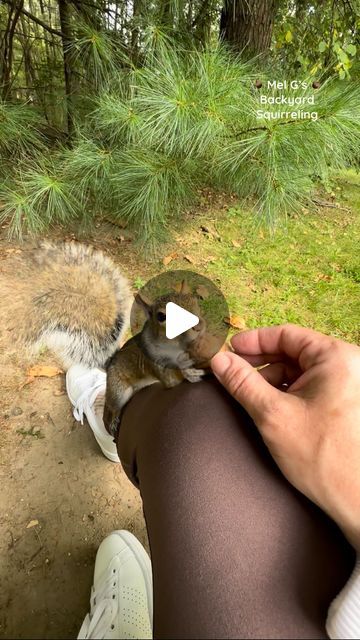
59, 495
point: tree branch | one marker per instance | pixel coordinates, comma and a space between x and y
28, 35
29, 15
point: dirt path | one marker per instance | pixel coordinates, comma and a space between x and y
59, 498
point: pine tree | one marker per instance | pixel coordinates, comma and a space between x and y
182, 120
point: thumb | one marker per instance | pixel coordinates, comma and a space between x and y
246, 385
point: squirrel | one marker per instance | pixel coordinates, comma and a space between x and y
150, 357
73, 299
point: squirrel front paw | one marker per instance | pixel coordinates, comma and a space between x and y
193, 375
184, 361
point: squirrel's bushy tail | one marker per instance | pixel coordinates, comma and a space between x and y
72, 299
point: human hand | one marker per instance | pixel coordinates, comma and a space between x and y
311, 427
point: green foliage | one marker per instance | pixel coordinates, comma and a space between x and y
317, 38
96, 52
37, 197
186, 119
18, 130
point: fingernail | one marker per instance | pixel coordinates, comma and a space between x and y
220, 363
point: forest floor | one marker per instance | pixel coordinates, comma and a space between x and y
59, 495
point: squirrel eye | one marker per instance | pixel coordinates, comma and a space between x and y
161, 316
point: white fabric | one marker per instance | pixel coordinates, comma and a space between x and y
92, 386
103, 612
343, 621
121, 603
83, 387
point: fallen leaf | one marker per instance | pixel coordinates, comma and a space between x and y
324, 276
235, 243
202, 291
169, 258
32, 523
189, 259
41, 371
236, 322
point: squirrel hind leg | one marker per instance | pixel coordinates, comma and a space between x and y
115, 401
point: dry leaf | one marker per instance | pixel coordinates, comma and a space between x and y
169, 258
32, 523
236, 322
202, 291
189, 259
235, 243
41, 371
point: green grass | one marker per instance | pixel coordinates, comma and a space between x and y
307, 272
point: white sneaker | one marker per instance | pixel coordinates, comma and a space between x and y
121, 602
83, 385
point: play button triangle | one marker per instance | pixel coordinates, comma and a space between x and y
178, 320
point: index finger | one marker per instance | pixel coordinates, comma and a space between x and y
293, 341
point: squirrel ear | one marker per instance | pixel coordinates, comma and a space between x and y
143, 302
185, 289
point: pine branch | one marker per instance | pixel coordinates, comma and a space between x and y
329, 205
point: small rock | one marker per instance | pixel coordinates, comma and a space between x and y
16, 411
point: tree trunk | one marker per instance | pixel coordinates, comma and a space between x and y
203, 21
137, 11
64, 13
247, 26
9, 49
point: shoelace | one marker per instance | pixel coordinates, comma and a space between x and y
88, 396
104, 608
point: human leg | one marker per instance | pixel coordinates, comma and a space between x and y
236, 551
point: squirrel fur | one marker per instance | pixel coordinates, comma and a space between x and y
73, 299
149, 356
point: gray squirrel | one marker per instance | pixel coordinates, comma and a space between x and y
73, 299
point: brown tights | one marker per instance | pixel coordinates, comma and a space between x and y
236, 551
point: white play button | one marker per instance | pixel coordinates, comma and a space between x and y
178, 320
